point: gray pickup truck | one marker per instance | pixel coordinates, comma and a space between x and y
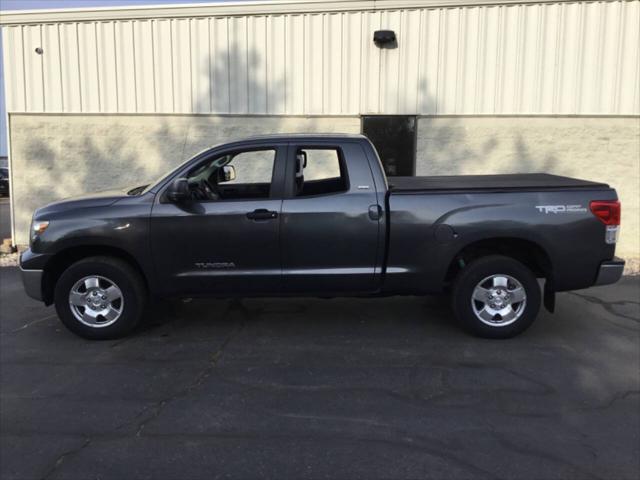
314, 215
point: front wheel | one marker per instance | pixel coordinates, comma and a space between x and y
496, 297
100, 298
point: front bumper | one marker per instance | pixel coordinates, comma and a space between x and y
32, 282
610, 271
31, 274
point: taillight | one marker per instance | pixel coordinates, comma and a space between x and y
608, 212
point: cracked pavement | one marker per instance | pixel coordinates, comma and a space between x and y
311, 388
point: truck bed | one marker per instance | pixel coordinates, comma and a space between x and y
499, 183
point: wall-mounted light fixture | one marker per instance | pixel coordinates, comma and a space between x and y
385, 39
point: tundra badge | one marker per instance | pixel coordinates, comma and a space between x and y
215, 265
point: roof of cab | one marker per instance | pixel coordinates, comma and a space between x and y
304, 136
297, 137
283, 138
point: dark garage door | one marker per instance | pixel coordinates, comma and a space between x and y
394, 136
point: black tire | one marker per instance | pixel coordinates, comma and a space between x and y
119, 273
481, 269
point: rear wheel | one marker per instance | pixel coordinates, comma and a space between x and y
496, 297
100, 298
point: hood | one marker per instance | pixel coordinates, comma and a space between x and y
96, 199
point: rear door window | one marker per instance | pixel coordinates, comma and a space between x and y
319, 171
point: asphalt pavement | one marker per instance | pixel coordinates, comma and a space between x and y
311, 388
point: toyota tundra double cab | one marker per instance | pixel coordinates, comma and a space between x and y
314, 215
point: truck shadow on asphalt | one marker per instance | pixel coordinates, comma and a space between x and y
172, 316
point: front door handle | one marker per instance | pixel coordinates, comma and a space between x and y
262, 214
375, 212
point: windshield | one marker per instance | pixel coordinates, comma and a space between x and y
137, 190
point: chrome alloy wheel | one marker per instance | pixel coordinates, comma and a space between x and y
499, 300
96, 301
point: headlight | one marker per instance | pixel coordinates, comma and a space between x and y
37, 228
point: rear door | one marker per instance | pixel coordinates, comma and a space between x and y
330, 225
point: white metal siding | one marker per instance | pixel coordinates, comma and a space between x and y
548, 58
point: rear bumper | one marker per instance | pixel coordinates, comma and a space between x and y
610, 271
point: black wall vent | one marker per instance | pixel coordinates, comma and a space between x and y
385, 39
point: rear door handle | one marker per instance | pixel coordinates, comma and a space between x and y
262, 214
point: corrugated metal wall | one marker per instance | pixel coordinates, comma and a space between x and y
564, 58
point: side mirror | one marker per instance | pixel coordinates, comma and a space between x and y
228, 173
178, 191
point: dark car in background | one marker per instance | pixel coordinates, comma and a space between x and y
4, 182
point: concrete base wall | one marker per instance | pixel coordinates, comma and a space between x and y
56, 156
604, 149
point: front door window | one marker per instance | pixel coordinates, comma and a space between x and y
234, 176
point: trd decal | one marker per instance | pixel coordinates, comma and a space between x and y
561, 208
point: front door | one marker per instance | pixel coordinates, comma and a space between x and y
225, 240
331, 228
